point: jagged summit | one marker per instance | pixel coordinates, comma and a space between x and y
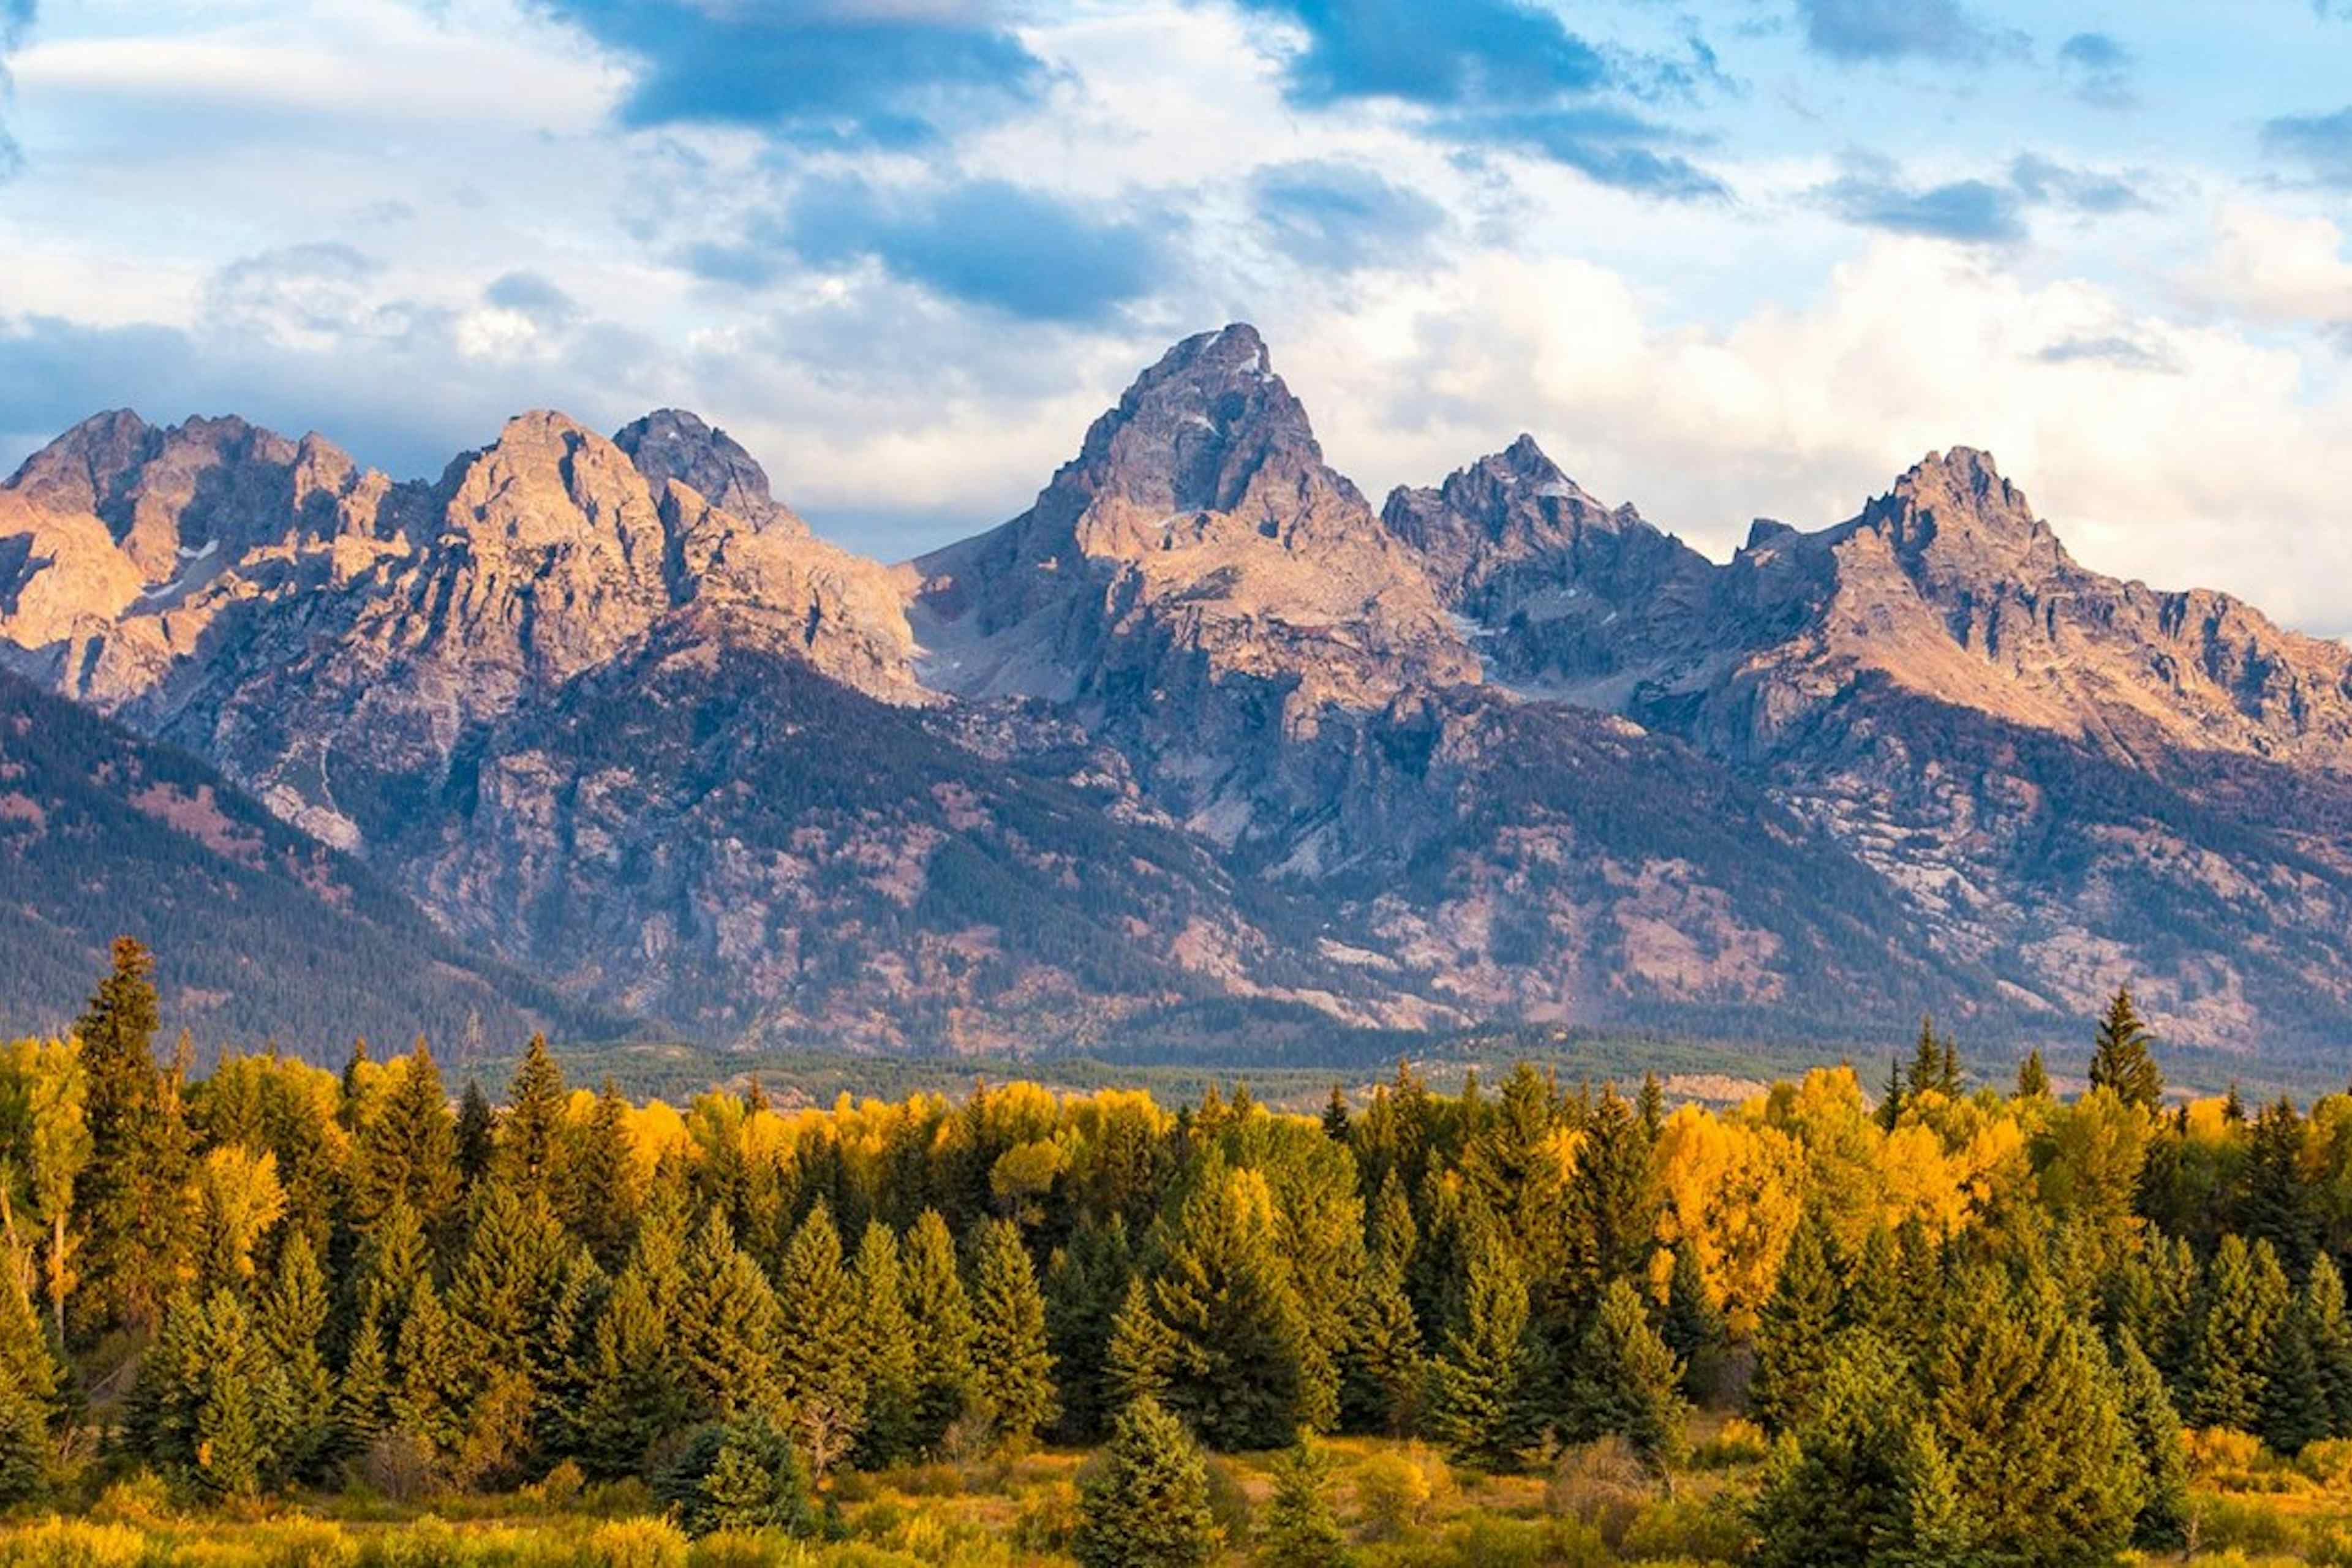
674, 444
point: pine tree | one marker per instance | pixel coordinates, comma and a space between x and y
1384, 1371
227, 1447
1926, 1073
1299, 1530
887, 1347
1147, 1504
1335, 1115
1613, 1205
2294, 1412
131, 1204
730, 1328
1481, 1384
1890, 1098
2163, 1521
823, 1383
1224, 1294
406, 1152
1012, 1370
595, 1196
2120, 1059
742, 1476
2331, 1340
1693, 1326
503, 1296
2238, 1313
2028, 1411
1086, 1282
530, 1135
1143, 1350
1792, 1331
1628, 1382
476, 1136
2274, 1202
2032, 1077
941, 1314
1650, 1107
297, 1398
1394, 1237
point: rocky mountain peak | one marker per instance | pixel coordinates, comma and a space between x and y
675, 444
1953, 515
1200, 429
83, 470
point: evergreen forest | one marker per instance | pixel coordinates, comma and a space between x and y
271, 1313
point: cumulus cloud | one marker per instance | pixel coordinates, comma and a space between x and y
818, 71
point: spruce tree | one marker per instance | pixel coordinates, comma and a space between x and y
2162, 1524
636, 1390
2120, 1059
1385, 1372
1628, 1382
730, 1328
1147, 1504
1692, 1325
298, 1395
889, 1349
595, 1195
2032, 1077
1612, 1205
1392, 1235
406, 1152
477, 1135
2294, 1412
2028, 1409
362, 1409
2238, 1315
1481, 1395
228, 1449
1143, 1350
825, 1384
1086, 1283
130, 1204
1335, 1115
1013, 1369
2275, 1201
1299, 1530
2331, 1340
431, 1381
1225, 1295
27, 1388
1792, 1331
940, 1312
529, 1136
1890, 1098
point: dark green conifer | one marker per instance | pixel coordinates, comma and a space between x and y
1086, 1283
529, 1136
406, 1152
732, 1329
477, 1135
2275, 1194
2238, 1314
595, 1195
1628, 1382
1224, 1294
888, 1347
2032, 1077
130, 1202
940, 1312
2294, 1412
1335, 1115
1147, 1504
2120, 1058
1143, 1350
1481, 1395
1693, 1326
298, 1395
825, 1384
2162, 1524
1013, 1368
1385, 1372
1299, 1530
1792, 1331
2331, 1340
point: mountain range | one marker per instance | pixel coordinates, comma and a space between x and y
1201, 745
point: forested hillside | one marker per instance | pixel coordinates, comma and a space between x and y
1964, 1324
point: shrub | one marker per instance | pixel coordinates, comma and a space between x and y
138, 1498
1604, 1484
2327, 1461
1048, 1518
72, 1543
2216, 1453
2228, 1523
1740, 1442
635, 1543
1706, 1530
399, 1466
1395, 1490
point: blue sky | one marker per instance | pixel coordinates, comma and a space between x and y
1742, 258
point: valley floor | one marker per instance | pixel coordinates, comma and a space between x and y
1399, 1504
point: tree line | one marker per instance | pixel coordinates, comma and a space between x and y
1973, 1319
